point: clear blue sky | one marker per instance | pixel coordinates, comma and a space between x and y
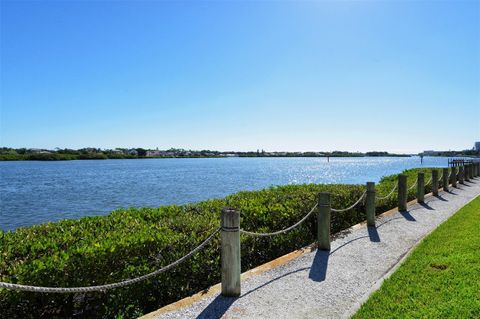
356, 76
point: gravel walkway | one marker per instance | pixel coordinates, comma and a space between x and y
334, 284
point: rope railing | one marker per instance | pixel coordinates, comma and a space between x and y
429, 181
246, 232
108, 286
414, 184
389, 194
350, 207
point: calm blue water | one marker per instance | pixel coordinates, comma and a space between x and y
35, 192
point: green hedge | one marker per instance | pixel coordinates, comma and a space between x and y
132, 242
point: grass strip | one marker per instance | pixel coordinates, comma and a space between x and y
440, 279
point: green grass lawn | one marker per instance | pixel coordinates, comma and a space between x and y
440, 279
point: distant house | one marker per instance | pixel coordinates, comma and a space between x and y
38, 151
133, 152
155, 153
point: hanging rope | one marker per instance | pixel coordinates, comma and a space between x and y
389, 194
283, 230
108, 286
348, 208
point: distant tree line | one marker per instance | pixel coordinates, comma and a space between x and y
58, 154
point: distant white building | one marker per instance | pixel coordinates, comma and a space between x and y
155, 153
38, 151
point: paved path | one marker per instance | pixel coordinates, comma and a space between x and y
333, 284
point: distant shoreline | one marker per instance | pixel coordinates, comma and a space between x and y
190, 157
55, 159
24, 154
143, 158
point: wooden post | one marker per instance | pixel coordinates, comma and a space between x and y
420, 187
435, 182
323, 221
466, 176
230, 252
454, 177
402, 193
445, 179
370, 204
461, 175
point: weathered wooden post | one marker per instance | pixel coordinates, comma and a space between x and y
230, 252
402, 193
454, 177
323, 221
370, 204
466, 175
435, 182
470, 171
445, 179
461, 175
420, 187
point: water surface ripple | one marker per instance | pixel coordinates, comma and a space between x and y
34, 192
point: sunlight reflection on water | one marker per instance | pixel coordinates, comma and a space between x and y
35, 192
